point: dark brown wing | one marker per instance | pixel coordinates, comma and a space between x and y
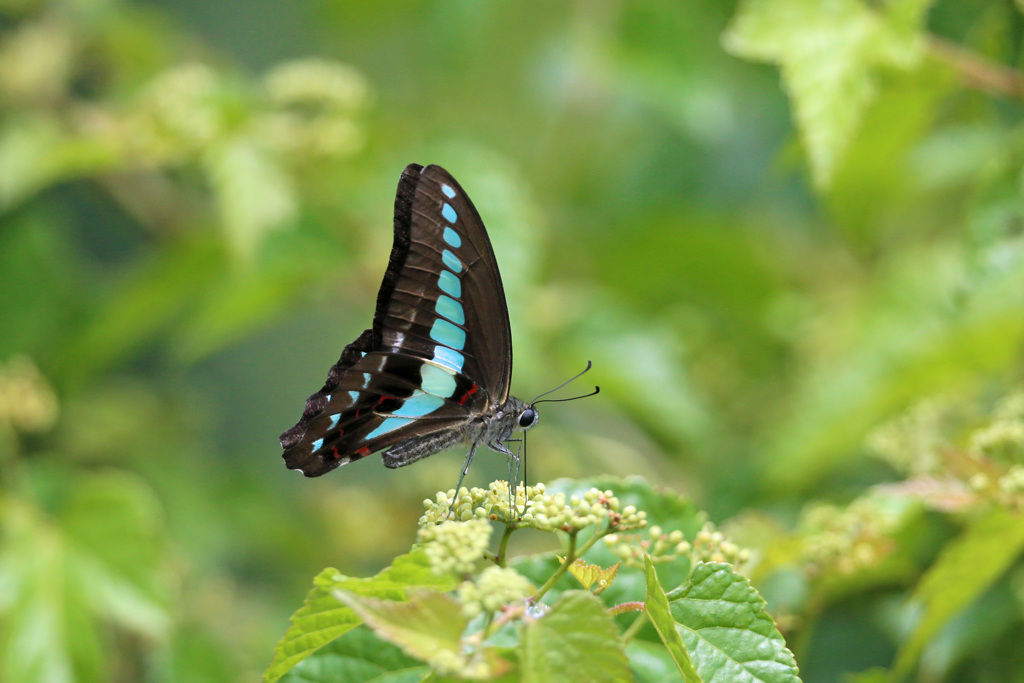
439, 352
442, 251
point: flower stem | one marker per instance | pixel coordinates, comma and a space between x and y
503, 547
570, 557
637, 624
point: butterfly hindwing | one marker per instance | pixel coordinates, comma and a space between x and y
439, 353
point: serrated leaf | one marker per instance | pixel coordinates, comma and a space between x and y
657, 608
577, 640
429, 627
427, 622
589, 574
322, 618
829, 54
727, 630
966, 568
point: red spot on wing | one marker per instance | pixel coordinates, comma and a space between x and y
362, 452
335, 453
465, 397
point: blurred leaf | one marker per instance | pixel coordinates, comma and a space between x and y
359, 655
958, 577
254, 195
322, 618
144, 305
650, 662
576, 640
632, 354
916, 343
36, 153
829, 54
98, 562
727, 630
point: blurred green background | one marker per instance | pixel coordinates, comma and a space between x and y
195, 215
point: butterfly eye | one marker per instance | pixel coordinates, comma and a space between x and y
528, 418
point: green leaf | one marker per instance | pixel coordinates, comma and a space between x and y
429, 627
141, 305
589, 574
68, 575
966, 568
254, 195
727, 629
322, 618
657, 608
911, 342
650, 662
36, 153
576, 641
359, 655
830, 54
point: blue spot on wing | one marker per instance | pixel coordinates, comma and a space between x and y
317, 444
451, 309
448, 334
452, 261
448, 191
449, 213
452, 238
449, 358
334, 420
450, 284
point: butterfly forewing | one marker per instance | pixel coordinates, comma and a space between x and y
439, 353
443, 288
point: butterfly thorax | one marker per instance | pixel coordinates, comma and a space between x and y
497, 426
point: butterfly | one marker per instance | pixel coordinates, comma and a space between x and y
435, 368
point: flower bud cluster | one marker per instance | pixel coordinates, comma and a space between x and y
913, 443
315, 102
1001, 441
846, 540
453, 547
305, 107
535, 508
179, 114
709, 545
492, 590
27, 402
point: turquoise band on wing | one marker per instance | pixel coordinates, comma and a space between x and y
449, 358
452, 261
448, 334
451, 309
450, 284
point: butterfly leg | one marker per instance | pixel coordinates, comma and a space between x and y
465, 469
513, 470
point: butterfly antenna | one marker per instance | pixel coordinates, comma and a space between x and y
575, 377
